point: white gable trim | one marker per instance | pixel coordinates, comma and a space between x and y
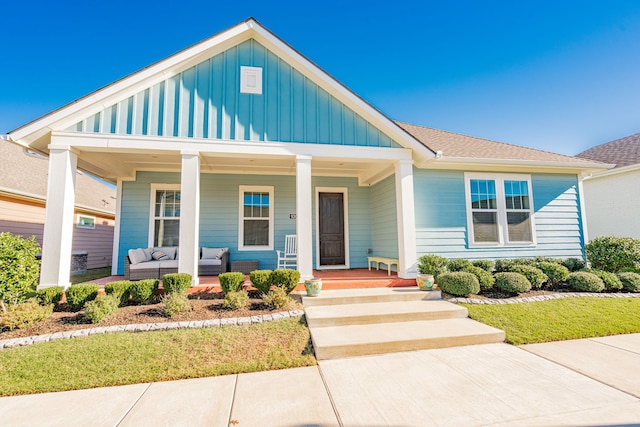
160, 71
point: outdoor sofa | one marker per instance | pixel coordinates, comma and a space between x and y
153, 263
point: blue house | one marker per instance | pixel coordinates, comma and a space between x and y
240, 140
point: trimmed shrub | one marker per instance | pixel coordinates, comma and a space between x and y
485, 264
79, 295
630, 281
176, 283
630, 270
119, 289
585, 282
610, 280
612, 253
101, 307
231, 281
261, 280
276, 299
143, 290
459, 283
504, 265
19, 268
175, 303
236, 300
458, 264
485, 278
432, 264
534, 275
555, 272
285, 279
514, 283
51, 295
573, 264
21, 316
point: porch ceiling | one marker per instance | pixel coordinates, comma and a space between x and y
113, 165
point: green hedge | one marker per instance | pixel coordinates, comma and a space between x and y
79, 295
630, 281
176, 283
459, 283
19, 268
285, 279
231, 281
143, 290
534, 275
612, 253
51, 295
585, 282
101, 307
119, 289
556, 273
261, 280
485, 278
514, 283
432, 264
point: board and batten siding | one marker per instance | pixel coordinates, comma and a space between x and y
441, 218
219, 205
26, 218
384, 219
204, 101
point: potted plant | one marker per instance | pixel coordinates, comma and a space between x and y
313, 286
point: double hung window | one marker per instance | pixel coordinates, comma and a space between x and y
256, 218
164, 229
499, 209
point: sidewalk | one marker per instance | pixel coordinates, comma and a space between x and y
581, 382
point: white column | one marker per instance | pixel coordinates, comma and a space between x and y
304, 226
58, 221
116, 230
407, 255
189, 215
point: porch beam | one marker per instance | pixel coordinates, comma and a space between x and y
304, 227
58, 223
189, 215
405, 208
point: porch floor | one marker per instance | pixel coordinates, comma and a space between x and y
331, 279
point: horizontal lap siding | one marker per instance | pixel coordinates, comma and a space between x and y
384, 223
97, 242
441, 218
204, 101
219, 204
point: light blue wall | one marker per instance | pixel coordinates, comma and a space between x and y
204, 101
384, 219
219, 204
441, 220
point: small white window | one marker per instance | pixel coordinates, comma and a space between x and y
85, 221
164, 221
255, 228
499, 210
251, 80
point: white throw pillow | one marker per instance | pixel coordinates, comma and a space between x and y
170, 251
137, 256
210, 253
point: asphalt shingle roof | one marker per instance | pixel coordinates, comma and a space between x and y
621, 152
28, 174
457, 145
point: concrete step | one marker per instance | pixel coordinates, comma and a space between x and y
382, 312
370, 295
335, 342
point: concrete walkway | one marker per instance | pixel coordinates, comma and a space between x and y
578, 383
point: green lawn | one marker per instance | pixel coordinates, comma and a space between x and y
96, 273
561, 319
129, 358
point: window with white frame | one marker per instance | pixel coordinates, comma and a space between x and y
164, 228
85, 221
499, 209
256, 218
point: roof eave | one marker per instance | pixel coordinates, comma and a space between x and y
615, 171
577, 167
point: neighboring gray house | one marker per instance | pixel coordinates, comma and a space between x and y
612, 197
23, 193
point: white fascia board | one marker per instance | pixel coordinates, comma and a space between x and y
615, 171
133, 83
340, 92
130, 143
499, 164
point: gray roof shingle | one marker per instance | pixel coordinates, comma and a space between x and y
621, 152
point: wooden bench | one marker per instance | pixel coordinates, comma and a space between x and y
382, 260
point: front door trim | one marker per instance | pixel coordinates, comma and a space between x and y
345, 201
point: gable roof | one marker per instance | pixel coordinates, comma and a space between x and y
27, 177
458, 146
621, 152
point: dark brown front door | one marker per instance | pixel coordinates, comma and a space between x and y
331, 219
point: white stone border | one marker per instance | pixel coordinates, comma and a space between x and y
145, 327
517, 300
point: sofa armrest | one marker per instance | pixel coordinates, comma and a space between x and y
127, 271
225, 262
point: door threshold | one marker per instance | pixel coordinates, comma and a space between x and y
332, 267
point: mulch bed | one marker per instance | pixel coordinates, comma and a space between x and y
205, 306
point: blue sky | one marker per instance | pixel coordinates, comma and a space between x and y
556, 75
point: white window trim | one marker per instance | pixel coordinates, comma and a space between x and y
258, 188
152, 206
256, 73
78, 225
345, 201
501, 209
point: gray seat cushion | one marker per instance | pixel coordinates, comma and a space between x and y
210, 261
145, 265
